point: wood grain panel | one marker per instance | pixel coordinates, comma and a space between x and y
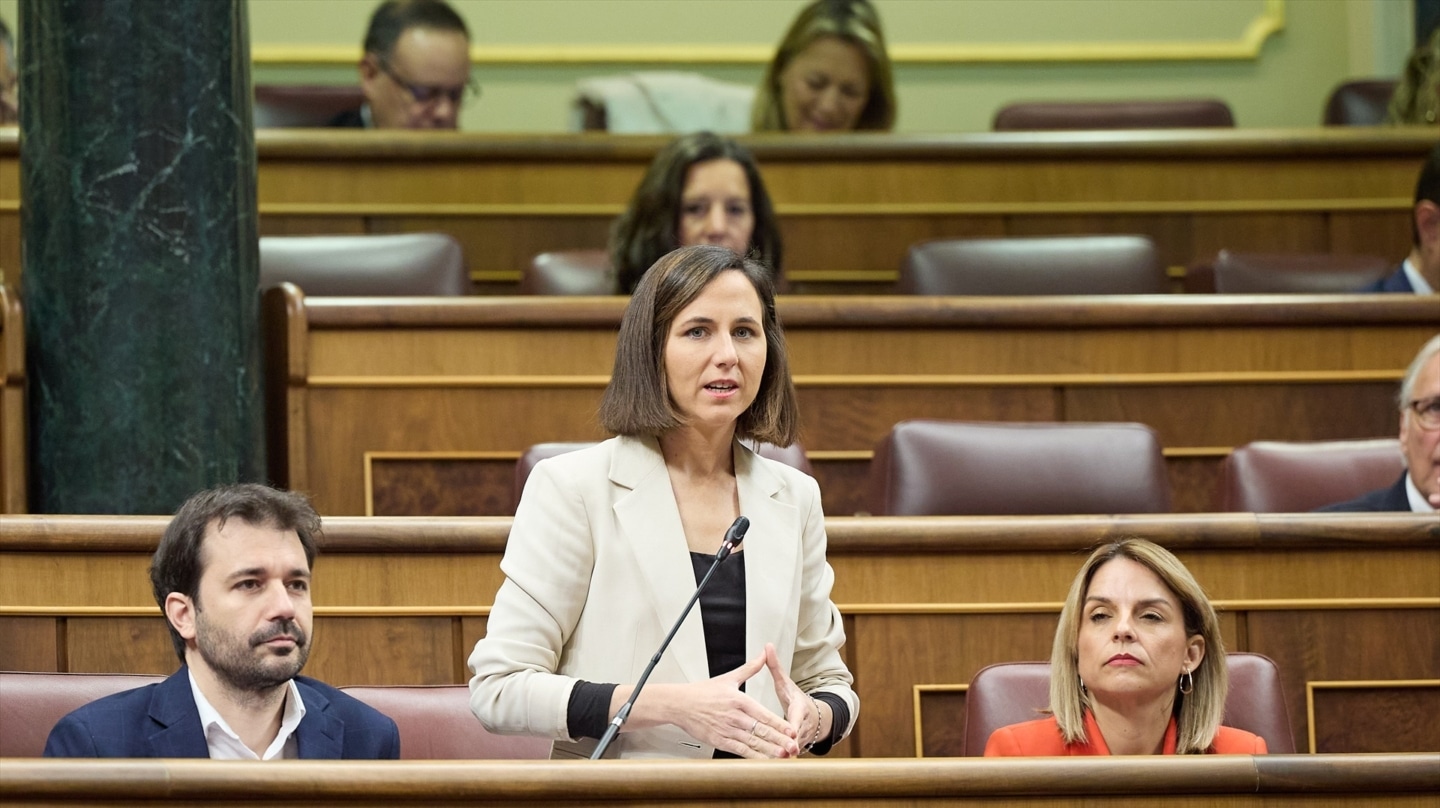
94, 579
843, 485
425, 580
941, 713
1174, 244
29, 644
1260, 232
856, 418
1233, 415
890, 665
1194, 483
383, 651
312, 225
422, 486
1338, 646
1376, 717
1364, 232
120, 645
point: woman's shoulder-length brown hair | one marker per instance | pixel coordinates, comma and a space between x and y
854, 21
637, 400
648, 228
1198, 714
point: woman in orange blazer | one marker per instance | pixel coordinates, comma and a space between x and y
1137, 668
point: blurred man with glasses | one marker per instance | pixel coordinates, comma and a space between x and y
1418, 489
416, 70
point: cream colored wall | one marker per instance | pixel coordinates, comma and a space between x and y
1322, 43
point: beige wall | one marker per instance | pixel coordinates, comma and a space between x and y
974, 44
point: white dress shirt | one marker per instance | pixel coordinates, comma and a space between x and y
225, 744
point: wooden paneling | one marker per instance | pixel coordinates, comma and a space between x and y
384, 649
490, 377
926, 601
940, 717
421, 485
1221, 781
30, 644
12, 400
1374, 716
849, 205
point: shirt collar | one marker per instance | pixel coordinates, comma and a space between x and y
1417, 281
225, 743
1417, 499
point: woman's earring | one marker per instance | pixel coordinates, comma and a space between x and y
1187, 682
1083, 692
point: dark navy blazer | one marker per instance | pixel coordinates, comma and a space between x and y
161, 720
1385, 499
1396, 281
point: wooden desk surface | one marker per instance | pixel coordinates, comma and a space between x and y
849, 204
927, 602
1388, 780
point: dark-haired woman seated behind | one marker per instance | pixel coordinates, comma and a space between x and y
1138, 665
700, 189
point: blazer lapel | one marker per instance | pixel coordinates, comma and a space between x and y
772, 562
320, 736
177, 719
650, 524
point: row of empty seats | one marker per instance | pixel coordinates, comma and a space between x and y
952, 468
435, 721
1360, 102
434, 264
1045, 265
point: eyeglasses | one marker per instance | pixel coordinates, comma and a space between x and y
429, 94
1427, 411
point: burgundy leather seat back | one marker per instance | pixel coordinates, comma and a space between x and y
1360, 102
1012, 692
1060, 265
1267, 273
793, 456
435, 723
1278, 477
954, 468
31, 704
408, 264
1076, 115
314, 105
570, 272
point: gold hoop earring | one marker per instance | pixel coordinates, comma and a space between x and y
1187, 683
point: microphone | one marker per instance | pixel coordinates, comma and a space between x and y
733, 537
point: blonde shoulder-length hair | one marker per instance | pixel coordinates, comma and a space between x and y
1198, 713
853, 21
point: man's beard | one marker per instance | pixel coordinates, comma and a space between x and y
235, 663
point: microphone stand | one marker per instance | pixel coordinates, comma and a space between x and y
733, 537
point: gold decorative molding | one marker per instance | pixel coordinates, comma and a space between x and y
1356, 684
1237, 605
1247, 47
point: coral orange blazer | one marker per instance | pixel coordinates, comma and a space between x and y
1042, 738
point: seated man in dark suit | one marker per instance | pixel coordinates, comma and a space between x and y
232, 576
415, 73
1418, 489
1420, 272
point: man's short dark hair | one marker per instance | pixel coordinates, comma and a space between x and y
395, 17
177, 565
1427, 188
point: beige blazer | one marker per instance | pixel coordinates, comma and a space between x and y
597, 570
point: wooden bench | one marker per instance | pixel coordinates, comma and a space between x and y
1347, 605
421, 407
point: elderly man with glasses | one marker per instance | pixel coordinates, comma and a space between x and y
1418, 489
416, 70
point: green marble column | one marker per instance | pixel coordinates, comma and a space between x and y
140, 255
